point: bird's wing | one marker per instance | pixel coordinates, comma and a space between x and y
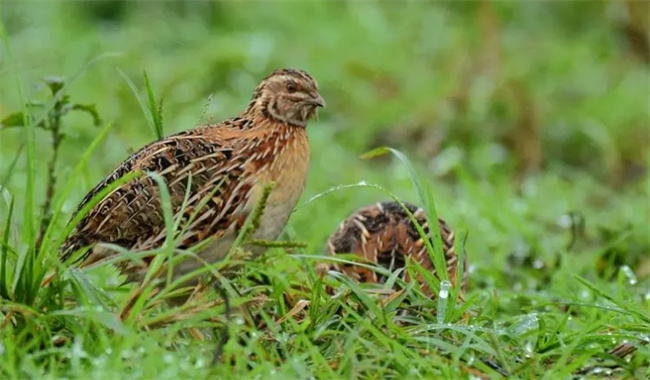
131, 215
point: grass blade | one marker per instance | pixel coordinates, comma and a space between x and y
168, 247
143, 105
425, 193
10, 170
156, 112
618, 302
4, 289
72, 181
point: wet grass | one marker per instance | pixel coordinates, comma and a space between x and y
538, 152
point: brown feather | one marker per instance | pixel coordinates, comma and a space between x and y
384, 234
232, 160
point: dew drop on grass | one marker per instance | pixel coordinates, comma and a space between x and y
443, 296
602, 371
538, 264
470, 361
168, 358
564, 221
528, 323
629, 274
2, 349
529, 349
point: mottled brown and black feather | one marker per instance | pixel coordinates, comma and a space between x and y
384, 234
229, 164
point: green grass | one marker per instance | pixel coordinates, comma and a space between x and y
524, 125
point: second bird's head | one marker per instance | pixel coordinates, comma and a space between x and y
289, 96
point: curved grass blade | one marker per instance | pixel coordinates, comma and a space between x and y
425, 193
618, 302
29, 228
168, 216
156, 112
10, 170
143, 105
72, 181
4, 289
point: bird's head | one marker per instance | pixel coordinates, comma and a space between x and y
289, 96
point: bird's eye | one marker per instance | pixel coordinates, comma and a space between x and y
291, 87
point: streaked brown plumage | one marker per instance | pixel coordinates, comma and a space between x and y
232, 160
384, 234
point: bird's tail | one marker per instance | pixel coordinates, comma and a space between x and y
72, 245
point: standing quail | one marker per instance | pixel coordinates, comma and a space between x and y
383, 234
230, 163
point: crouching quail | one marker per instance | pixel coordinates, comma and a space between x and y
384, 235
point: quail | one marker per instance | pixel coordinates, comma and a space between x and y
230, 164
384, 235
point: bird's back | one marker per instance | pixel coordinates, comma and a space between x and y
384, 234
224, 166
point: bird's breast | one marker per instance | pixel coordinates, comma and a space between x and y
288, 170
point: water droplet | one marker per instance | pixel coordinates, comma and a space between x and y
647, 296
584, 294
601, 370
631, 277
109, 351
443, 295
470, 361
564, 221
444, 289
538, 264
529, 349
529, 322
78, 351
168, 358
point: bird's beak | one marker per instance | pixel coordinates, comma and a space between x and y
319, 101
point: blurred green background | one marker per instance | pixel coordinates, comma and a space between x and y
530, 119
